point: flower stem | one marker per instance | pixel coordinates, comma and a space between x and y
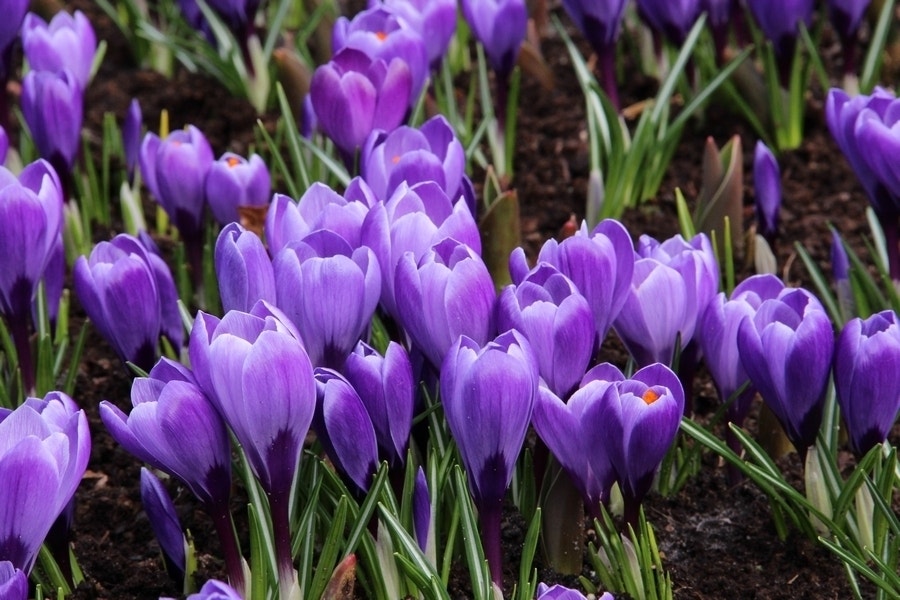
489, 514
18, 328
279, 504
234, 563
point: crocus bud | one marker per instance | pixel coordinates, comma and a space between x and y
43, 457
430, 153
866, 377
500, 26
131, 136
233, 182
175, 170
767, 181
13, 582
551, 313
345, 429
354, 94
243, 269
434, 20
68, 42
130, 296
53, 107
386, 387
382, 34
329, 291
786, 349
448, 293
165, 523
840, 273
422, 517
672, 20
488, 393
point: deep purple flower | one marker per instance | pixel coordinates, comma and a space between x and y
488, 393
4, 146
53, 107
717, 333
786, 349
866, 378
164, 522
131, 136
238, 14
500, 26
14, 14
354, 94
430, 153
67, 42
175, 171
345, 429
130, 296
44, 451
329, 291
780, 22
382, 34
413, 220
601, 265
767, 182
846, 17
234, 181
386, 387
551, 313
13, 582
446, 294
672, 19
243, 269
434, 20
572, 437
600, 22
422, 517
320, 207
642, 415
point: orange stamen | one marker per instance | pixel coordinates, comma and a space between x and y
650, 396
381, 36
232, 161
396, 159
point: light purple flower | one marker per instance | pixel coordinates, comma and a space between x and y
551, 313
53, 107
44, 451
130, 296
558, 592
434, 20
67, 42
866, 378
329, 291
500, 26
786, 349
216, 590
13, 582
488, 393
767, 182
446, 294
354, 94
234, 181
243, 269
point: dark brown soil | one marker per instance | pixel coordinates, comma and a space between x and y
718, 541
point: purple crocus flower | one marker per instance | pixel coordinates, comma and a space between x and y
866, 378
500, 26
345, 429
565, 428
642, 415
175, 427
386, 387
329, 291
488, 393
846, 17
320, 207
430, 153
671, 19
422, 517
601, 265
44, 451
780, 22
53, 107
130, 296
786, 350
234, 182
4, 146
14, 14
600, 23
558, 592
259, 377
354, 94
215, 590
446, 294
175, 171
382, 34
551, 313
413, 220
67, 42
13, 582
243, 269
164, 522
767, 181
717, 333
434, 20
131, 136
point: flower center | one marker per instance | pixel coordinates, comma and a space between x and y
231, 161
395, 159
650, 396
381, 35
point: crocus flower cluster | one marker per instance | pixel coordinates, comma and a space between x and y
60, 56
